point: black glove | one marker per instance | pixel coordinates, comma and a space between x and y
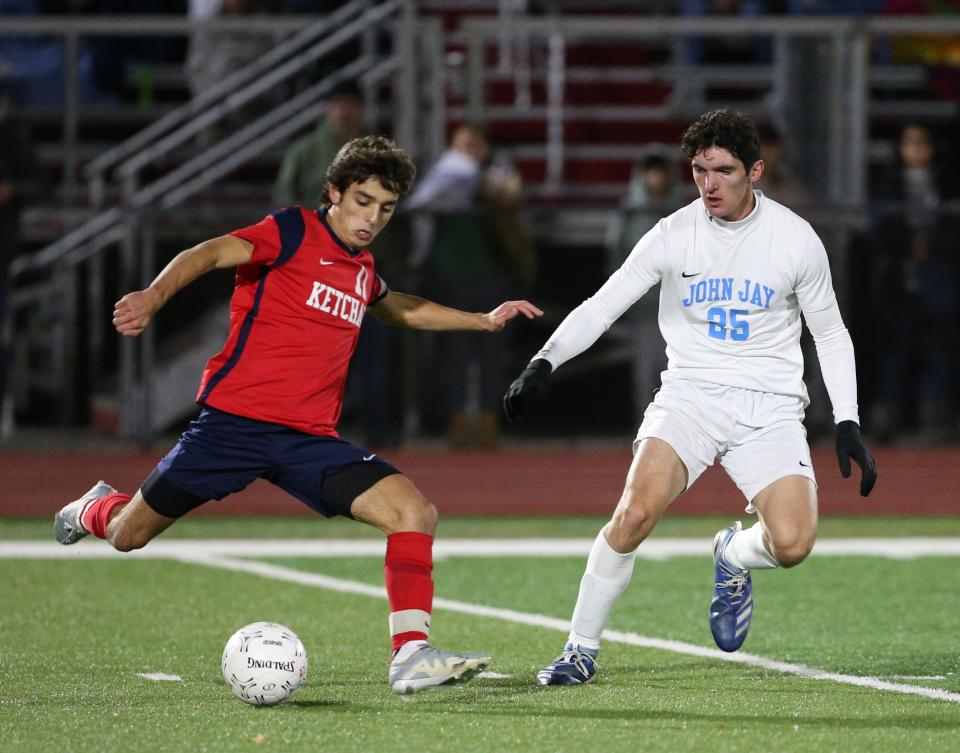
850, 445
528, 390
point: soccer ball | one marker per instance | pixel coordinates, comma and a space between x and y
264, 663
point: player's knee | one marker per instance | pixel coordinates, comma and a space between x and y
630, 525
417, 514
792, 550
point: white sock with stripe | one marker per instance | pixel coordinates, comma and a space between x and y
605, 578
747, 552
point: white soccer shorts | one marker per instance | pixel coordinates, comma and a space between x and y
758, 437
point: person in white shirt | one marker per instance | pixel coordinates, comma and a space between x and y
736, 271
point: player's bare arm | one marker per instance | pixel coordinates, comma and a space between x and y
404, 310
133, 312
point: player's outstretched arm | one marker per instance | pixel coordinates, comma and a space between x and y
133, 312
405, 310
850, 446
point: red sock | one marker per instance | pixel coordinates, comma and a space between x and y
407, 569
97, 515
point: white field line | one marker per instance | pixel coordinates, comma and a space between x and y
159, 677
278, 572
655, 549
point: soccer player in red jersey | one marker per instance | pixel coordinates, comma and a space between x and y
271, 398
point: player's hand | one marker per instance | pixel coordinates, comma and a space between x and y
133, 312
498, 318
850, 445
528, 390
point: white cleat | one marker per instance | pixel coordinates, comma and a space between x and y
428, 667
66, 524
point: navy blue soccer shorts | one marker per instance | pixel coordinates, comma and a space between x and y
221, 453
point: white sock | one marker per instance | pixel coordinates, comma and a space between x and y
605, 578
746, 550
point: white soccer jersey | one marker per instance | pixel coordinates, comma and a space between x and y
731, 296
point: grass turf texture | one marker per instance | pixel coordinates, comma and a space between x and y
78, 632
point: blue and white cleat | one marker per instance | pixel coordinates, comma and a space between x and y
573, 667
732, 604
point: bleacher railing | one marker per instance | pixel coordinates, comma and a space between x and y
242, 86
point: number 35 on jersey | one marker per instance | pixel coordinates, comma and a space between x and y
724, 323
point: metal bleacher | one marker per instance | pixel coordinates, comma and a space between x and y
573, 98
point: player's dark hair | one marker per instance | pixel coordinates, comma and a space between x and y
371, 157
727, 129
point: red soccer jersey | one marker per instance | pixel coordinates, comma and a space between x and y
295, 316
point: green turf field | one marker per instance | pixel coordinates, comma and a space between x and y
79, 632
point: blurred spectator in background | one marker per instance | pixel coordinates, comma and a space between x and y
303, 170
215, 54
473, 248
915, 291
21, 181
778, 181
653, 193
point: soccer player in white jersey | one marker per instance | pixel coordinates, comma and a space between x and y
736, 271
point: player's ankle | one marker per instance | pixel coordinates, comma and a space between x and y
590, 651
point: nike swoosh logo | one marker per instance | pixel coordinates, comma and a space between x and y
370, 457
805, 465
325, 263
684, 274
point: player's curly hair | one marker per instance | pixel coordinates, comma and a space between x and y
371, 157
727, 129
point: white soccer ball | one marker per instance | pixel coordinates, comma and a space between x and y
264, 663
